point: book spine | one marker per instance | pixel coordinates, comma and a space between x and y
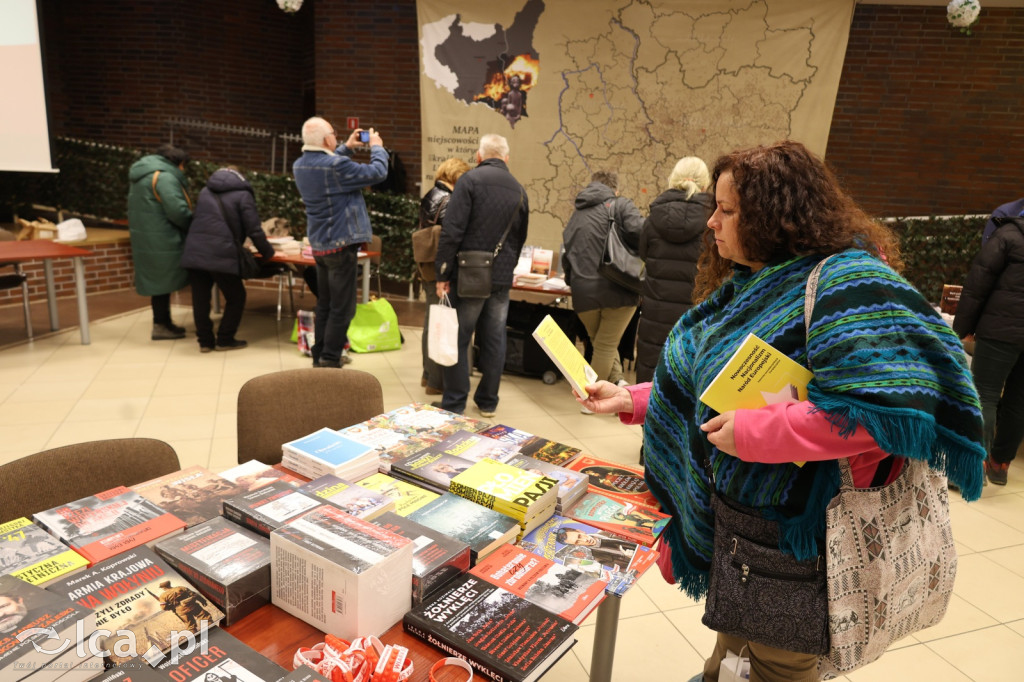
505, 507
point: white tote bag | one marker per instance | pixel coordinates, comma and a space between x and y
443, 333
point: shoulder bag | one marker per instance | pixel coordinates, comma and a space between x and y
248, 267
620, 263
475, 267
424, 244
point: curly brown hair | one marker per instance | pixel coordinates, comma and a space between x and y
790, 204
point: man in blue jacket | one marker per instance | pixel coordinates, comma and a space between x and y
485, 202
337, 223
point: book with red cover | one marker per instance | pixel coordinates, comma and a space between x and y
622, 482
567, 591
193, 495
108, 523
633, 522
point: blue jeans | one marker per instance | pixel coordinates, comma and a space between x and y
998, 369
487, 317
335, 304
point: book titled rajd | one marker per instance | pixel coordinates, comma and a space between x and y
436, 559
228, 564
527, 497
500, 634
340, 573
108, 523
328, 452
31, 554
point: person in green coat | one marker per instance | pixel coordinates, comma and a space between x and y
159, 213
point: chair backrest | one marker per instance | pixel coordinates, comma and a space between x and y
375, 245
281, 406
52, 477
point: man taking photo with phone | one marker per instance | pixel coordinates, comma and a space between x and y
337, 223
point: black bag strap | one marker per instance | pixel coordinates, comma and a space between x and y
515, 214
239, 238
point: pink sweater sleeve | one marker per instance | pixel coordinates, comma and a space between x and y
640, 394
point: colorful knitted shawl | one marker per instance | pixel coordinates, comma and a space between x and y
883, 360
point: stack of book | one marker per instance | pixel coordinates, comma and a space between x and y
193, 495
31, 554
340, 573
29, 617
349, 497
228, 564
328, 452
407, 497
268, 507
636, 523
621, 482
530, 445
436, 559
108, 523
484, 530
527, 497
572, 485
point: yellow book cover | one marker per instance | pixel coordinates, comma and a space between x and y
564, 354
756, 375
506, 489
31, 554
408, 497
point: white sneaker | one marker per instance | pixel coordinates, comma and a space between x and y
623, 382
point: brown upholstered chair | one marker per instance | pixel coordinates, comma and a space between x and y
282, 406
52, 477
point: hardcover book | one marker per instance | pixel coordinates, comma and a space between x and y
566, 591
432, 470
572, 485
328, 452
27, 613
254, 474
220, 657
340, 573
481, 528
141, 601
228, 564
108, 523
436, 558
410, 446
269, 507
349, 497
950, 298
621, 482
530, 445
521, 494
407, 497
639, 524
474, 447
193, 495
756, 375
617, 561
563, 352
502, 635
31, 554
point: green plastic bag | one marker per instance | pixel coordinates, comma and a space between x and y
374, 328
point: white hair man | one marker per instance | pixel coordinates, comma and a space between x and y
488, 211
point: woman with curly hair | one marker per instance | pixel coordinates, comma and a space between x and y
890, 382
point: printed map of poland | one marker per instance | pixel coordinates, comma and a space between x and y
628, 86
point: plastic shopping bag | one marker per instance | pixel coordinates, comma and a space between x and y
735, 667
302, 335
374, 328
443, 333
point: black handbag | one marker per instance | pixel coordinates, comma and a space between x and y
759, 593
620, 263
248, 267
476, 267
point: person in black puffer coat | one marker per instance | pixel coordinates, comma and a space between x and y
991, 313
670, 245
225, 215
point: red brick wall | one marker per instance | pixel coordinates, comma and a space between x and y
108, 268
929, 121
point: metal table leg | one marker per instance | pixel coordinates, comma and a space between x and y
83, 303
604, 639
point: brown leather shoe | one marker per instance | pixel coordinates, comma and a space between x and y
430, 390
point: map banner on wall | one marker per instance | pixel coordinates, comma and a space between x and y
583, 85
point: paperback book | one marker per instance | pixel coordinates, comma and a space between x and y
254, 474
407, 496
502, 635
219, 657
527, 497
474, 447
563, 352
141, 602
269, 507
756, 375
349, 497
228, 564
31, 554
410, 446
622, 482
481, 528
328, 452
566, 591
419, 418
430, 469
108, 523
530, 445
617, 561
193, 495
436, 558
340, 573
639, 524
572, 485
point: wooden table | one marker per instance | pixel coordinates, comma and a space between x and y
46, 250
308, 261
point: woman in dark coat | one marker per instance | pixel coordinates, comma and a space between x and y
225, 215
991, 312
670, 245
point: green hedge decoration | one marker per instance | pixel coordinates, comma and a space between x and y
938, 251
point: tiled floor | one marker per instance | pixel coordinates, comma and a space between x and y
55, 391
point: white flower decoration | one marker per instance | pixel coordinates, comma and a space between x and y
961, 14
292, 6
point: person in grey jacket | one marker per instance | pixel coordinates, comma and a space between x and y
604, 307
670, 246
225, 215
991, 313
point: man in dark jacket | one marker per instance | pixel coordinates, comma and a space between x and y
486, 201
